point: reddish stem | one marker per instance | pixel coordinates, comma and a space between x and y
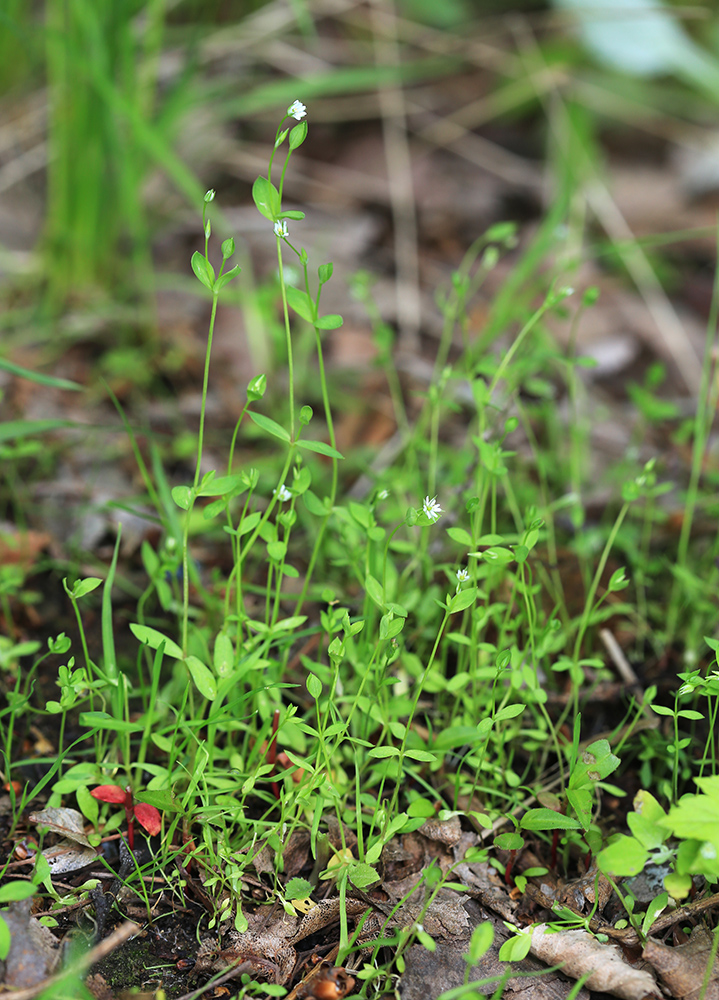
508, 869
555, 845
130, 817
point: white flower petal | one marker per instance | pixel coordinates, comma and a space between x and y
297, 109
431, 509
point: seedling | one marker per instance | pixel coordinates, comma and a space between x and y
146, 815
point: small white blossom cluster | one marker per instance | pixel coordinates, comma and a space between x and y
282, 493
431, 509
297, 110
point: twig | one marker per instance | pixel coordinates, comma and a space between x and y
118, 937
235, 970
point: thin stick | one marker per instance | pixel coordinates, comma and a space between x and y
118, 937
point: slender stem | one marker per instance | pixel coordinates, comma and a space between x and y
288, 339
205, 383
595, 582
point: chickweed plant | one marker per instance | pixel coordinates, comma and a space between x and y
370, 660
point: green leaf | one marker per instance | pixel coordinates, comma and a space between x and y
460, 535
515, 949
314, 686
581, 800
226, 277
182, 495
324, 272
481, 940
289, 624
224, 655
330, 322
296, 216
313, 504
102, 720
649, 834
383, 752
277, 551
298, 888
389, 627
498, 557
654, 910
152, 638
593, 764
509, 842
625, 856
509, 712
547, 819
647, 806
11, 430
320, 448
13, 892
298, 135
463, 599
266, 198
361, 875
5, 940
423, 755
86, 586
301, 303
204, 271
37, 377
374, 590
695, 817
220, 486
203, 677
269, 425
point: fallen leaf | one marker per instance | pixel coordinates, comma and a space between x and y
67, 823
683, 968
578, 952
68, 856
33, 951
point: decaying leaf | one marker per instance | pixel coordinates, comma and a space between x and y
68, 856
33, 951
67, 823
578, 953
683, 968
448, 831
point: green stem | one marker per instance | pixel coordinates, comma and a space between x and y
583, 625
288, 339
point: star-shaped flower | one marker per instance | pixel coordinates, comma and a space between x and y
431, 509
462, 575
297, 109
281, 230
283, 494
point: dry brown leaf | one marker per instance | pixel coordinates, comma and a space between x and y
67, 823
448, 831
68, 856
683, 968
578, 952
33, 951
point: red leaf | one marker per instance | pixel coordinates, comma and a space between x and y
148, 817
109, 793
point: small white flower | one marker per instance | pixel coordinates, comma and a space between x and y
280, 228
462, 575
383, 494
282, 494
431, 509
297, 109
